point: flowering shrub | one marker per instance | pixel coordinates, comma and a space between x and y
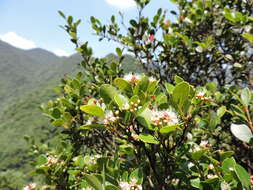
134, 131
148, 139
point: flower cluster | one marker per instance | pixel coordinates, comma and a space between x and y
134, 79
30, 187
211, 176
51, 160
111, 117
164, 118
133, 106
149, 38
204, 144
201, 95
130, 186
99, 103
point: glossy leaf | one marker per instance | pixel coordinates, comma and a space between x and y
242, 132
147, 138
93, 181
246, 97
108, 92
93, 110
168, 129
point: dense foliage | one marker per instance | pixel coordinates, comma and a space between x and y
208, 41
30, 78
185, 124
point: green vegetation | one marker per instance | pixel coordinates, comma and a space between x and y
185, 123
29, 79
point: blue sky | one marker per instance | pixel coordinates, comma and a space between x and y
35, 23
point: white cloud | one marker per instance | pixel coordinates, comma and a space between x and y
122, 4
17, 41
61, 52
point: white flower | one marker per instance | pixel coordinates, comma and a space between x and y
99, 103
225, 186
164, 118
190, 164
201, 95
211, 176
132, 78
203, 143
187, 20
51, 160
129, 186
189, 136
247, 28
196, 148
124, 185
109, 118
152, 79
90, 121
211, 166
126, 106
30, 187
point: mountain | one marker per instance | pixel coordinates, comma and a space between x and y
27, 79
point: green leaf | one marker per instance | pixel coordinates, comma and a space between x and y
122, 84
180, 93
228, 15
79, 161
226, 154
152, 87
142, 85
108, 92
120, 100
70, 20
178, 79
61, 14
198, 154
144, 118
111, 187
211, 180
133, 23
168, 129
41, 160
221, 111
242, 132
93, 110
138, 175
195, 183
246, 97
211, 86
58, 122
119, 52
243, 175
169, 88
147, 138
161, 99
214, 120
56, 113
248, 36
92, 126
238, 111
93, 181
228, 165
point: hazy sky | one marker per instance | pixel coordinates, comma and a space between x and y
35, 23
